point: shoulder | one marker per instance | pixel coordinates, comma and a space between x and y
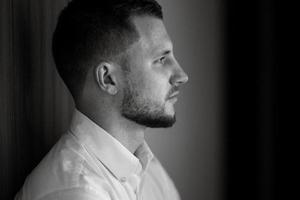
66, 171
77, 193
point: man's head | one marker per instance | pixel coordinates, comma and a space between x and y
123, 42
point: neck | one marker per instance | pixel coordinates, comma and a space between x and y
128, 133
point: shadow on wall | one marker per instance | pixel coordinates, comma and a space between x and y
35, 105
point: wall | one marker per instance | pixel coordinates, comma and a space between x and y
36, 107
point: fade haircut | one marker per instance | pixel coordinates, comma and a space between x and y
91, 31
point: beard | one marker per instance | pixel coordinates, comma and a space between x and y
145, 111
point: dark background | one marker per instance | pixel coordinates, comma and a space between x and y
227, 136
252, 64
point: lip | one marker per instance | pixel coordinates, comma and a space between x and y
174, 95
172, 99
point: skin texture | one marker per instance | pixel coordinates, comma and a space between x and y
126, 102
154, 76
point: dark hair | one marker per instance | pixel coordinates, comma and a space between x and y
90, 31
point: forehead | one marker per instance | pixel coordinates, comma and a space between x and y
153, 34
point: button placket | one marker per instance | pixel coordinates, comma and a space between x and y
134, 181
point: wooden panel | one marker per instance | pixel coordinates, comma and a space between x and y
36, 106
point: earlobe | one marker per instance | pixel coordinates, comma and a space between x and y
112, 90
105, 78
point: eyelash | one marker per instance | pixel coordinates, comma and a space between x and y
162, 59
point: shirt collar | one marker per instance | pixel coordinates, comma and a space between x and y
117, 158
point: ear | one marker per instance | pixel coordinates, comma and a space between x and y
105, 74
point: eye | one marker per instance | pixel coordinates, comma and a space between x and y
162, 59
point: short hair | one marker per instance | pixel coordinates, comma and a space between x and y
91, 31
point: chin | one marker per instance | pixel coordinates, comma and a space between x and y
153, 120
158, 122
149, 113
170, 110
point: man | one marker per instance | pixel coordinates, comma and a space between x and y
116, 59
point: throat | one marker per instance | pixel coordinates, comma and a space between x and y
130, 140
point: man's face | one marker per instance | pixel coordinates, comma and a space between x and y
153, 78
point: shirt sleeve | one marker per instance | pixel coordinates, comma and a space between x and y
77, 194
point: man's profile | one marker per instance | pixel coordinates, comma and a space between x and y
117, 60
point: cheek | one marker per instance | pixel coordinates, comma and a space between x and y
150, 83
155, 87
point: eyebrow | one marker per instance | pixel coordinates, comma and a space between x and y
165, 52
162, 51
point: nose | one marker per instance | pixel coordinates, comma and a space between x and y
179, 77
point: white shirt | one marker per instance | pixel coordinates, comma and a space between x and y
87, 163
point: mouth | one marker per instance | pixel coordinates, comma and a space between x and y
173, 95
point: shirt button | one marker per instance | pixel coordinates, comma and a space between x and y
123, 179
